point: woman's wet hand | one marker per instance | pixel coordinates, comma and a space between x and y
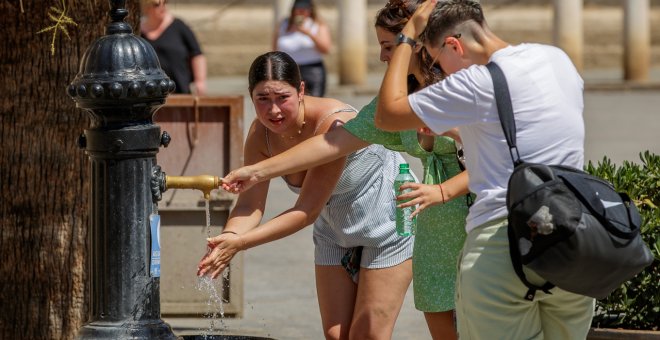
221, 249
239, 180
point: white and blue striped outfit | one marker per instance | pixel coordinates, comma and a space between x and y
361, 212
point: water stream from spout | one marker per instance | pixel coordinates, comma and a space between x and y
214, 305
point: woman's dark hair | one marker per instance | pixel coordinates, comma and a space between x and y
274, 65
393, 17
395, 14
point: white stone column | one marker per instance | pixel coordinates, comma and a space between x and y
636, 40
282, 10
352, 42
568, 29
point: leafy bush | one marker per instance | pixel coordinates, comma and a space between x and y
636, 304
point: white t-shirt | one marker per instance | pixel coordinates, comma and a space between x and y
546, 94
299, 45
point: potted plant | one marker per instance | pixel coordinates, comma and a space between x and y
632, 311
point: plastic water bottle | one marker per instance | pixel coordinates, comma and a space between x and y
405, 226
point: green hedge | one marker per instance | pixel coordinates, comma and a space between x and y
636, 304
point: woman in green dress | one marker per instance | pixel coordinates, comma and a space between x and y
441, 218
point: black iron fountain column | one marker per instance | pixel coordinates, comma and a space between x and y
120, 84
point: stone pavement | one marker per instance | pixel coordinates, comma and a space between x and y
279, 290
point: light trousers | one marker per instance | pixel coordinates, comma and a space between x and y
490, 300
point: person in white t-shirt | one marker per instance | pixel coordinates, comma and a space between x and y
306, 38
547, 98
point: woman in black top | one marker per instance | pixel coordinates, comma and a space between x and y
176, 46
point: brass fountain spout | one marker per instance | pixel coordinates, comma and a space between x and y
205, 183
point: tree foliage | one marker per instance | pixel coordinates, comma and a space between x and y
636, 304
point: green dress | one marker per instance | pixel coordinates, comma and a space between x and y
440, 229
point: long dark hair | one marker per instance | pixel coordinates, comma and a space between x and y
274, 65
393, 17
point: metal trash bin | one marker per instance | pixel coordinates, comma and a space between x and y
207, 138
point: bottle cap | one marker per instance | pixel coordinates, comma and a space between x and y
404, 166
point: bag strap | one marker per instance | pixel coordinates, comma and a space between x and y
505, 112
518, 268
594, 203
505, 109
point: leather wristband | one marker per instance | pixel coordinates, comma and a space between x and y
402, 38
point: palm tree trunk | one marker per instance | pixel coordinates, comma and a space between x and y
43, 174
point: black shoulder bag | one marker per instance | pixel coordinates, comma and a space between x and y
571, 228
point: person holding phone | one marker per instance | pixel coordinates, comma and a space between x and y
306, 38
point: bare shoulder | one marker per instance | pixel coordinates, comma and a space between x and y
255, 142
330, 113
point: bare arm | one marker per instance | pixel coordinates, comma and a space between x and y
250, 205
198, 65
245, 216
394, 112
317, 187
322, 39
313, 152
456, 186
316, 190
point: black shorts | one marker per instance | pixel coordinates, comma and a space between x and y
314, 76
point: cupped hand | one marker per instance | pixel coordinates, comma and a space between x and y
417, 23
304, 30
221, 249
240, 180
421, 195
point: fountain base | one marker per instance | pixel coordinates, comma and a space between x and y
151, 329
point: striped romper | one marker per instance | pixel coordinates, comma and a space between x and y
361, 212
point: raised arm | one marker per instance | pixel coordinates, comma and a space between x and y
394, 112
322, 39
